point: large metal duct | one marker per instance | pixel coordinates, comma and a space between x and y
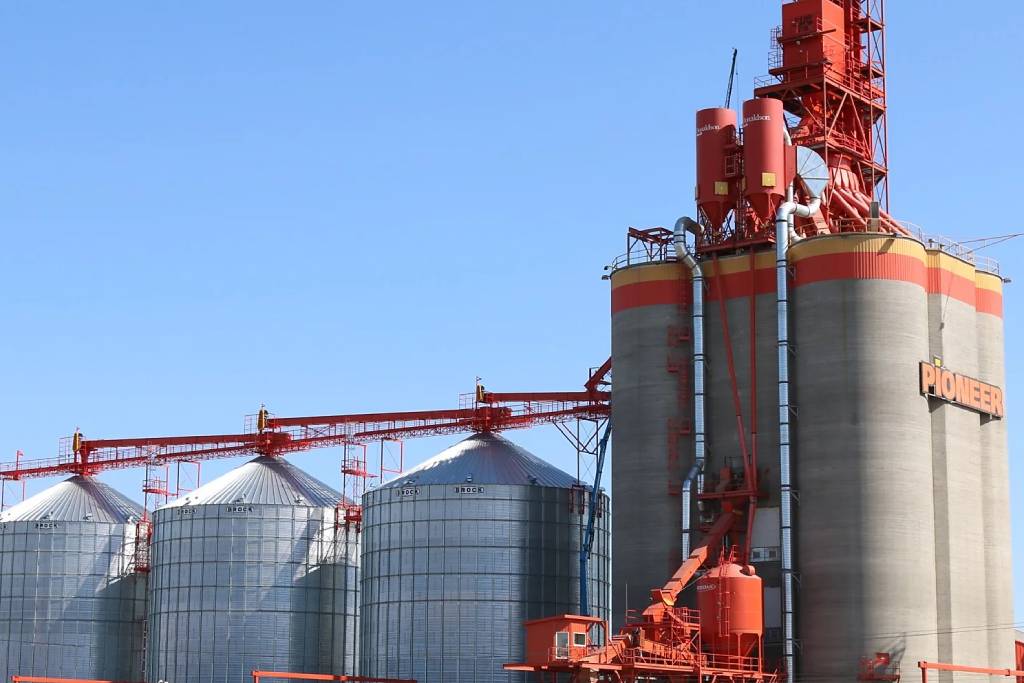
995, 476
865, 536
252, 571
460, 551
71, 604
652, 438
957, 469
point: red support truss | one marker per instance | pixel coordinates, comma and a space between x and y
268, 434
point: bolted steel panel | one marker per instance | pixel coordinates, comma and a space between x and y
71, 605
451, 570
241, 580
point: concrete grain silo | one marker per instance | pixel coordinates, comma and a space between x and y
995, 475
901, 527
865, 532
71, 603
460, 551
653, 418
252, 571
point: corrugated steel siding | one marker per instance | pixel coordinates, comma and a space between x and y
240, 587
69, 605
449, 576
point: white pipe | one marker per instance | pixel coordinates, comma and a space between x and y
697, 470
783, 226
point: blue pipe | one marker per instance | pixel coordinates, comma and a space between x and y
588, 536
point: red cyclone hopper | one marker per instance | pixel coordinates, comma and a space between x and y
716, 132
764, 156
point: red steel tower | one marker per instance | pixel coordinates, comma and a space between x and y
828, 71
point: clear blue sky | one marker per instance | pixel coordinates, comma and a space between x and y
341, 207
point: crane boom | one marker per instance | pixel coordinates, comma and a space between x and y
732, 77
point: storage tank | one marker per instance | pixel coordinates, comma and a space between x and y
865, 526
460, 551
764, 156
252, 571
652, 420
71, 604
716, 134
730, 600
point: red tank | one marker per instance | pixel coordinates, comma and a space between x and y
730, 600
764, 157
716, 134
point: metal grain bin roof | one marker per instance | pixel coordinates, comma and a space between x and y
263, 481
76, 499
485, 459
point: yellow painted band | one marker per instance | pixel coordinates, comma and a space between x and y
647, 273
850, 243
984, 280
948, 262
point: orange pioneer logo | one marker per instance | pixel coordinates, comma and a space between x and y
965, 391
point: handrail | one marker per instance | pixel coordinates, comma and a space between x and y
985, 264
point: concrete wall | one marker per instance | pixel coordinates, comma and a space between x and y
651, 449
864, 520
995, 477
957, 463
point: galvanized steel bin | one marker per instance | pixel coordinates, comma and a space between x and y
252, 571
460, 551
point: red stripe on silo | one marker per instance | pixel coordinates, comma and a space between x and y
861, 266
988, 301
736, 285
942, 281
650, 293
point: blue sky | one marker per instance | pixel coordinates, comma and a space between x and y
347, 207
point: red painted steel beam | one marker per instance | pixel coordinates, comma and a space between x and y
281, 435
257, 675
941, 666
599, 376
491, 397
409, 416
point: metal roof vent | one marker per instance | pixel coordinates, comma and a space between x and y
533, 479
87, 516
469, 478
299, 500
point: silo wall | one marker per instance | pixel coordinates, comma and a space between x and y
961, 591
652, 438
451, 572
865, 519
995, 475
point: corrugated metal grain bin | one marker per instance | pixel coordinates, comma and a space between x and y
252, 571
460, 551
71, 604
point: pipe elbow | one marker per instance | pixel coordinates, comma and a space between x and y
683, 225
809, 209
